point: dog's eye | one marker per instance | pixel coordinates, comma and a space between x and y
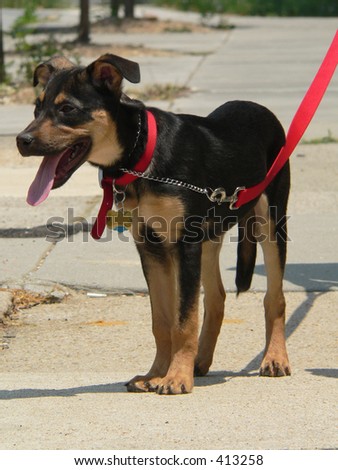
66, 108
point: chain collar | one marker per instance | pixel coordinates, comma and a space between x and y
217, 195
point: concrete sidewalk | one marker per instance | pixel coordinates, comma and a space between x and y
64, 369
63, 366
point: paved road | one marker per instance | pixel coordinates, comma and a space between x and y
64, 365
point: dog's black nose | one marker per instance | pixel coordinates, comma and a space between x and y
24, 139
24, 143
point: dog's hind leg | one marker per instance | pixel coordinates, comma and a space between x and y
275, 360
214, 297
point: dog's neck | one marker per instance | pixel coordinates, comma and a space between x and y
109, 182
133, 147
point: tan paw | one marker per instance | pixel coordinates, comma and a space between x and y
143, 383
275, 366
175, 385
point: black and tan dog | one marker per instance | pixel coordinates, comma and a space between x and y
83, 115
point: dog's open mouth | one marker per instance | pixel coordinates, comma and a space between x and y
55, 170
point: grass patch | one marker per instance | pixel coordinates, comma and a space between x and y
24, 299
159, 92
178, 29
328, 139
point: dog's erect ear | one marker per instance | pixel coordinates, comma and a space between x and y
109, 70
44, 71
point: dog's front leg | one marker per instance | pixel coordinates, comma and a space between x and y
159, 271
184, 328
173, 277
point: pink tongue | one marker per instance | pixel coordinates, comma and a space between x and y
44, 179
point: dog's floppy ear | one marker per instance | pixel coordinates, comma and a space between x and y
44, 71
109, 70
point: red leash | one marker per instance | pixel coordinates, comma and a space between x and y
297, 128
299, 123
107, 181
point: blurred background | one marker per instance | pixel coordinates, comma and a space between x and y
20, 20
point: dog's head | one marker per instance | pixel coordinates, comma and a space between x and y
76, 118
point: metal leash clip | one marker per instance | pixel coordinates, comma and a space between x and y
219, 196
119, 197
234, 198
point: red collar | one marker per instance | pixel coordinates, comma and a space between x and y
108, 181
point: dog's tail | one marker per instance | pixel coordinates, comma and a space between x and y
246, 252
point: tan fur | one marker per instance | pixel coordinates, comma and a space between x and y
275, 360
59, 137
164, 304
60, 98
176, 344
164, 214
214, 298
106, 149
102, 130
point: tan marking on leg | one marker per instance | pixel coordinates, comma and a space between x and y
176, 341
214, 297
184, 330
164, 214
184, 344
275, 361
161, 280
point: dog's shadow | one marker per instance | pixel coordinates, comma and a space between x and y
316, 279
23, 393
312, 277
223, 376
213, 378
